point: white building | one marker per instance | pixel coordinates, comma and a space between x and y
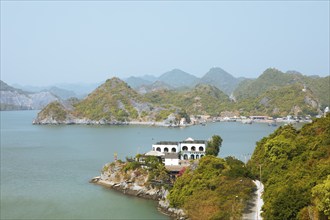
166, 147
171, 159
187, 149
192, 149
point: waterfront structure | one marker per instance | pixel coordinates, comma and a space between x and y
188, 149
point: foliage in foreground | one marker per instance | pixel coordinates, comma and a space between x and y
216, 189
213, 145
295, 169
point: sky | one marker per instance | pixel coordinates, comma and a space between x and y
50, 42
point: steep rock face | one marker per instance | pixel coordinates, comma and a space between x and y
16, 99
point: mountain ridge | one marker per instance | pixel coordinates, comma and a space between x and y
17, 99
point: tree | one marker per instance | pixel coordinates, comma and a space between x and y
213, 145
321, 196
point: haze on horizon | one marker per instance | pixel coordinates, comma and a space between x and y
46, 43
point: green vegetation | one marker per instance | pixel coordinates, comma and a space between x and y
277, 93
286, 100
201, 100
213, 145
320, 86
55, 110
216, 189
295, 169
155, 169
111, 101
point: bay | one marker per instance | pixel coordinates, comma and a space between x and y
45, 169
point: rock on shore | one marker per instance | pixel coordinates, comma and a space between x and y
135, 183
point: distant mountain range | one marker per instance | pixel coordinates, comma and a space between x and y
64, 90
273, 93
17, 99
178, 79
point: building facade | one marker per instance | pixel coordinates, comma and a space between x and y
188, 149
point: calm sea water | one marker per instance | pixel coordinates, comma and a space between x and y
45, 169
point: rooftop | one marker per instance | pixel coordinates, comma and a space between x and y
188, 140
167, 143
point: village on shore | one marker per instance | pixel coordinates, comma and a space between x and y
230, 117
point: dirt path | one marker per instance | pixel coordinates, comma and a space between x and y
254, 210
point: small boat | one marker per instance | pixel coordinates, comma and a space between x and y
247, 121
273, 124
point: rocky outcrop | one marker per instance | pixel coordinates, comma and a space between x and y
135, 182
164, 206
131, 182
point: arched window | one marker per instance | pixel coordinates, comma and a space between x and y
197, 157
202, 156
201, 148
158, 149
193, 148
165, 149
185, 148
185, 157
192, 157
173, 149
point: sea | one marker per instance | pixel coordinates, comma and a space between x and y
45, 169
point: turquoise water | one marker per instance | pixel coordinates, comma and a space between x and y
45, 169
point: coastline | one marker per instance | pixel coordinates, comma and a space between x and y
142, 192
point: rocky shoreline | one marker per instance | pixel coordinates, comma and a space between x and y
142, 192
76, 121
135, 183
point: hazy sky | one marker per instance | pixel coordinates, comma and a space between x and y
43, 43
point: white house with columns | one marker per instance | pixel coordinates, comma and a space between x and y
188, 149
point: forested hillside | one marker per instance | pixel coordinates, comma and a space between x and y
294, 166
216, 189
202, 99
274, 80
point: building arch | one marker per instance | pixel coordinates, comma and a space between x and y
173, 150
202, 156
201, 148
192, 157
193, 148
185, 148
165, 149
158, 149
197, 157
185, 157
